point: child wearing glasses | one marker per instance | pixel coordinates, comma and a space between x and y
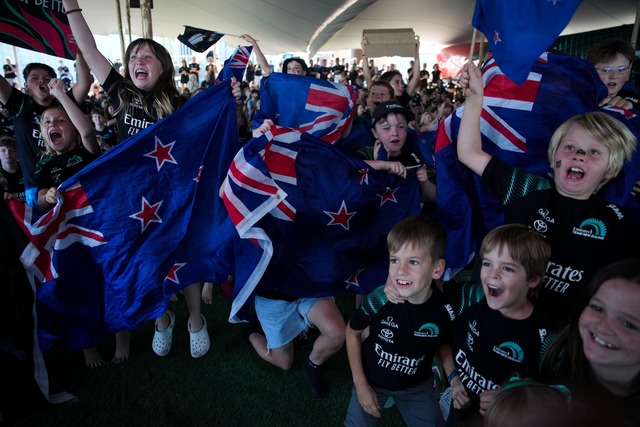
612, 58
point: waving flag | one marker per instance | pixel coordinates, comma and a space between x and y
519, 31
199, 39
516, 124
135, 226
39, 26
311, 219
325, 108
235, 65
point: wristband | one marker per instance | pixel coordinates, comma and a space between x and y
452, 375
67, 12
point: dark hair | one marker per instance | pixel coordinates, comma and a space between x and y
419, 231
607, 49
164, 96
300, 61
7, 141
565, 360
387, 76
37, 66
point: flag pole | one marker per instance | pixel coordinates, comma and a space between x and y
473, 42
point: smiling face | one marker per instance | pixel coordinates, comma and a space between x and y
580, 164
505, 284
610, 328
615, 79
411, 270
57, 130
391, 131
144, 67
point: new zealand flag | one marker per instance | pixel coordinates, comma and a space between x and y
312, 220
135, 226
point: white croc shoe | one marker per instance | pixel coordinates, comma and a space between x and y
161, 343
199, 340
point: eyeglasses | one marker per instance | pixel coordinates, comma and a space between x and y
623, 71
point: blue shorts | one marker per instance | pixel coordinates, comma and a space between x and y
282, 321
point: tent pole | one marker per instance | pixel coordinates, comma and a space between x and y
128, 20
15, 60
145, 11
120, 31
636, 24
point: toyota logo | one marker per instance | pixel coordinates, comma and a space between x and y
540, 226
387, 333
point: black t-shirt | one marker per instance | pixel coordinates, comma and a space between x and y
489, 348
52, 170
26, 120
15, 183
184, 78
585, 235
134, 119
403, 339
194, 68
630, 96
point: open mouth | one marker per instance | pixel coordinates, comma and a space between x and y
55, 137
403, 283
141, 73
575, 173
494, 291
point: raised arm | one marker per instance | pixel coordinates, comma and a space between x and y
261, 59
84, 39
469, 138
415, 75
78, 118
81, 88
366, 71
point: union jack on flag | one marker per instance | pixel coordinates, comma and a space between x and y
235, 65
517, 122
317, 107
312, 220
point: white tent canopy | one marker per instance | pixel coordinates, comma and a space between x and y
283, 26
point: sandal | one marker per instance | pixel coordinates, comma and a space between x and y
199, 340
161, 343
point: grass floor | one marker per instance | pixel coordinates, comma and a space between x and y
229, 386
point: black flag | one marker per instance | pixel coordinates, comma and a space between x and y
199, 39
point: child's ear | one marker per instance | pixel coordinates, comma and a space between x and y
534, 281
438, 268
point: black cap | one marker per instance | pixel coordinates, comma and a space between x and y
382, 110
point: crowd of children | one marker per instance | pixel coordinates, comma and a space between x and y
560, 313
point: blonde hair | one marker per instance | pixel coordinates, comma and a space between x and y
605, 129
48, 150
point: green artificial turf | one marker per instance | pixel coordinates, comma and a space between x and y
229, 386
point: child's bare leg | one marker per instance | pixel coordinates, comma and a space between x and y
281, 357
207, 292
92, 358
123, 339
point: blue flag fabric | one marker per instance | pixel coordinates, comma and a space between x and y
135, 226
312, 220
315, 106
519, 31
516, 124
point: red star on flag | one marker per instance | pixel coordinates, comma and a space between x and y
353, 279
173, 272
147, 214
363, 176
496, 38
162, 153
388, 195
341, 218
